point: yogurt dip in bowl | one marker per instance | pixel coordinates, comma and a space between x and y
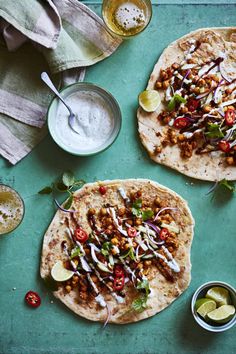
98, 119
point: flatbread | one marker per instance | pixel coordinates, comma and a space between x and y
163, 292
209, 167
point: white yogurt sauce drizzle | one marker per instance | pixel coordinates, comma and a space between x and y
95, 121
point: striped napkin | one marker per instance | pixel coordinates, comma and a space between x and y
61, 37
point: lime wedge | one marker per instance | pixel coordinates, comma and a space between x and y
149, 100
222, 315
203, 306
219, 295
60, 273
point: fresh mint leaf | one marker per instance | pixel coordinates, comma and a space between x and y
46, 190
68, 178
227, 184
213, 131
147, 214
68, 203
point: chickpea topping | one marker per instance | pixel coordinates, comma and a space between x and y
158, 85
110, 284
113, 251
207, 108
87, 251
110, 227
157, 201
138, 222
94, 278
108, 221
201, 82
157, 150
130, 222
230, 160
146, 271
184, 109
195, 79
196, 90
74, 284
127, 246
83, 295
140, 266
181, 137
163, 75
121, 211
167, 120
91, 211
103, 212
165, 84
75, 278
68, 288
114, 241
147, 263
175, 66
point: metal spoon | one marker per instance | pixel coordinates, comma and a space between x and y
72, 117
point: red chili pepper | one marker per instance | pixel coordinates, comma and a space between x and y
119, 282
193, 104
181, 122
132, 232
33, 299
230, 116
102, 190
224, 146
119, 270
164, 234
81, 235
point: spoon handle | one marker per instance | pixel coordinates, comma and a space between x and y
48, 82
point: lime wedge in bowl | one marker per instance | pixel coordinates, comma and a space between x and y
220, 295
149, 100
204, 306
60, 273
222, 315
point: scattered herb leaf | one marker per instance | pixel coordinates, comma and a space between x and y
136, 207
139, 304
213, 131
68, 178
175, 99
46, 190
76, 252
147, 214
106, 247
227, 184
60, 187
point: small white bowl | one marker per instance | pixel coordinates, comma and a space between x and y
107, 99
200, 293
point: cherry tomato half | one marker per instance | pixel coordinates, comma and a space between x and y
119, 282
119, 270
224, 146
164, 234
33, 299
230, 116
193, 104
132, 232
81, 235
181, 122
102, 190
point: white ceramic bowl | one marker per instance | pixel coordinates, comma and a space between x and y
108, 100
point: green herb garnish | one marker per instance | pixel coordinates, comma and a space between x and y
68, 184
76, 252
175, 100
213, 131
147, 214
227, 184
136, 211
129, 254
140, 304
106, 247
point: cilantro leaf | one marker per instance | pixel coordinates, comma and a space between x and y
227, 184
68, 178
137, 205
129, 254
106, 247
144, 285
175, 99
139, 304
76, 252
147, 214
46, 190
213, 131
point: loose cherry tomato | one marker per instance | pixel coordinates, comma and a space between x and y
119, 270
102, 190
164, 234
119, 282
181, 122
33, 299
132, 232
81, 235
230, 116
224, 146
193, 104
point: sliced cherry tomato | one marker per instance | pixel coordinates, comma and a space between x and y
81, 235
102, 190
181, 122
193, 104
119, 282
132, 232
33, 299
224, 146
164, 234
119, 270
230, 116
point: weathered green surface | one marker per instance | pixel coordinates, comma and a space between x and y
52, 328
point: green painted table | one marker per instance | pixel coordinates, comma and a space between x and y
52, 328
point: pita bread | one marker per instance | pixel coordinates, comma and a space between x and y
163, 292
211, 166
